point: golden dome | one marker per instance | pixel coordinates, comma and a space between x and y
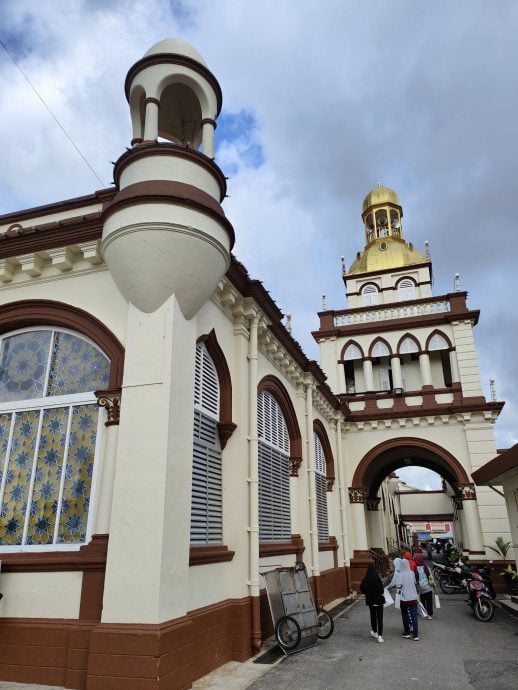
386, 253
380, 195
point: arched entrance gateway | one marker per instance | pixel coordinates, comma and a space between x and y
386, 458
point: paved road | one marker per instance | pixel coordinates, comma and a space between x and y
455, 652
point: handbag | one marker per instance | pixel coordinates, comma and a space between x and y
437, 602
388, 597
397, 600
421, 610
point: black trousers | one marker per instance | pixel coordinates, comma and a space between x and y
376, 619
427, 600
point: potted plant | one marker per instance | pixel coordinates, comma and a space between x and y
502, 548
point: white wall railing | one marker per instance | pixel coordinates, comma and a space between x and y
399, 312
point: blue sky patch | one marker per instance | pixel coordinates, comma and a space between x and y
240, 130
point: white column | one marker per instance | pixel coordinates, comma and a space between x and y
454, 367
473, 528
147, 570
342, 494
102, 520
207, 137
253, 461
151, 121
426, 372
397, 378
312, 491
367, 375
358, 518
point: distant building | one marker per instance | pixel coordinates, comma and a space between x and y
165, 438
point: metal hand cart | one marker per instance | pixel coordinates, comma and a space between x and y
298, 623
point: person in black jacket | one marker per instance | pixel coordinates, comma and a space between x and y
372, 587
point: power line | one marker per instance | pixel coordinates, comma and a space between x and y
50, 111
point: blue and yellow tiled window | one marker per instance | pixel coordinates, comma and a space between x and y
49, 424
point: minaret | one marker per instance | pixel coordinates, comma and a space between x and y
165, 232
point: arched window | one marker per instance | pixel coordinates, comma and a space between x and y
352, 352
206, 497
380, 349
321, 489
274, 471
408, 346
406, 289
370, 295
49, 427
438, 342
438, 347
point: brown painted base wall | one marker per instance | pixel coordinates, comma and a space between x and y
125, 657
172, 655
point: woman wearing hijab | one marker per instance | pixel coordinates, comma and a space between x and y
409, 595
411, 562
372, 587
422, 577
396, 581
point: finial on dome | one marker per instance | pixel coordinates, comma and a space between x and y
344, 271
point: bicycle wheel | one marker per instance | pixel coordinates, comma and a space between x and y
287, 633
326, 624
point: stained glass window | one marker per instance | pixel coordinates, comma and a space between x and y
49, 422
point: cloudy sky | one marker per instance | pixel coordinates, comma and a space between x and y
321, 100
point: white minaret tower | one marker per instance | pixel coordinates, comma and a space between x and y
167, 244
165, 232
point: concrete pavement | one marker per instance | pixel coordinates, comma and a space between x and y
455, 652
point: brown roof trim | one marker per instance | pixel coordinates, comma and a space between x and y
456, 299
101, 196
60, 233
425, 409
248, 287
394, 324
164, 191
507, 460
165, 149
425, 517
174, 59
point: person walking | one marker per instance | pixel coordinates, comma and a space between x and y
425, 584
396, 580
408, 591
372, 587
411, 562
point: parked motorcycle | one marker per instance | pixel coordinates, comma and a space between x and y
479, 596
451, 577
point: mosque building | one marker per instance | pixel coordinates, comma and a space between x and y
166, 440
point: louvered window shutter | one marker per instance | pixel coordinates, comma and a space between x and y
321, 490
206, 497
274, 475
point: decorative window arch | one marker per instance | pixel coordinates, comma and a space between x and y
370, 295
408, 345
206, 491
352, 351
379, 348
279, 451
49, 425
437, 341
406, 289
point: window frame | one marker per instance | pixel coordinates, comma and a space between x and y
53, 402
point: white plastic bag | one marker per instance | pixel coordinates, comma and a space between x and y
437, 602
397, 601
421, 610
388, 597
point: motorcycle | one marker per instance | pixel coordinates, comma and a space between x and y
479, 596
451, 577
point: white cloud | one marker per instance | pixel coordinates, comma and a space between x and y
420, 96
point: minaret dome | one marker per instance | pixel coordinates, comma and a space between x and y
382, 214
